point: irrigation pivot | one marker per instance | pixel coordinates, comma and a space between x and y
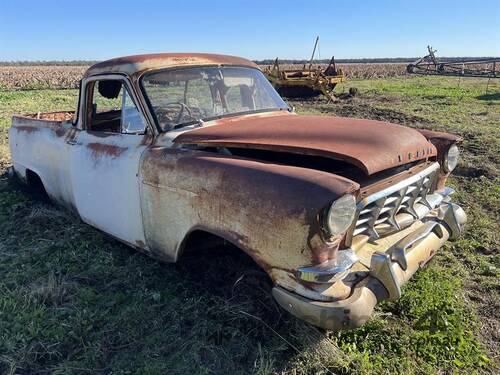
429, 65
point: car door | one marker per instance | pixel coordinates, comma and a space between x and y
105, 157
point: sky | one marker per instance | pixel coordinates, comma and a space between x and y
97, 30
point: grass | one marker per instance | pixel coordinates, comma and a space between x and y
72, 300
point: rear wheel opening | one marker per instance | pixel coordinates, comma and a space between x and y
35, 186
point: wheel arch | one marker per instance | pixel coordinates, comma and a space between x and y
35, 183
234, 239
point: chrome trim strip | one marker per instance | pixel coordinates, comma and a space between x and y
400, 185
330, 271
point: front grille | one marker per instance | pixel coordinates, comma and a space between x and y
378, 213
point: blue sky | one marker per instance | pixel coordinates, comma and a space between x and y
96, 30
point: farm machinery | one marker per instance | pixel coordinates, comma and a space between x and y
306, 82
429, 65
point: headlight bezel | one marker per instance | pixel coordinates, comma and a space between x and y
450, 159
340, 215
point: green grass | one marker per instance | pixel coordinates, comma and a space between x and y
16, 102
73, 300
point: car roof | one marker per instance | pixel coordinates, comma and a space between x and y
137, 64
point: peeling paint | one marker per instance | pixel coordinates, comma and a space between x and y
136, 65
268, 210
99, 149
442, 142
370, 145
27, 129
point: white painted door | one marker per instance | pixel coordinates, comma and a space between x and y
105, 159
105, 183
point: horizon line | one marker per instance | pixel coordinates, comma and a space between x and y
297, 60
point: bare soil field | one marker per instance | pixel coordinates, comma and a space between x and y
40, 77
73, 300
68, 77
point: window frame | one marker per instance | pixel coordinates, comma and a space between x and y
153, 114
86, 100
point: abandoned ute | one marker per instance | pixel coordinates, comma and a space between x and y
339, 212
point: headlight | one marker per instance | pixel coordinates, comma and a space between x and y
451, 158
341, 214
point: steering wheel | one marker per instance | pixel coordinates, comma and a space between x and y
184, 108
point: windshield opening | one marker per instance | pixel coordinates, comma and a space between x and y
181, 97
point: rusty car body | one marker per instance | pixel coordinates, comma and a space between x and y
339, 212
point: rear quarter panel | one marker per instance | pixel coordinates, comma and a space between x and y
40, 146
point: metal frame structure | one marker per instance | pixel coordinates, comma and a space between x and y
429, 65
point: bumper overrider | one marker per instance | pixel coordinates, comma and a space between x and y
387, 270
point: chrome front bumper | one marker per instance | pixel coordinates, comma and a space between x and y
388, 272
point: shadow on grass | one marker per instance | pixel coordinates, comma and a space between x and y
471, 172
436, 97
492, 96
97, 305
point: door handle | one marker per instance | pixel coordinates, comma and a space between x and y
72, 142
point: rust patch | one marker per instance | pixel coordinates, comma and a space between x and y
101, 134
51, 116
442, 141
146, 140
370, 145
432, 135
235, 119
325, 252
26, 129
136, 64
49, 120
99, 149
60, 132
267, 210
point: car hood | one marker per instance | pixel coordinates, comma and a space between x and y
370, 145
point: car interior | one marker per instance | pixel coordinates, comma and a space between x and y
106, 113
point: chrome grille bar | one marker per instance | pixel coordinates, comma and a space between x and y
383, 207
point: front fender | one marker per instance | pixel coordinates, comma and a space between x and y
270, 211
442, 141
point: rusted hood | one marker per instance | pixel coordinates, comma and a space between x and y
370, 145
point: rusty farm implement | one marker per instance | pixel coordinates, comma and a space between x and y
306, 82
